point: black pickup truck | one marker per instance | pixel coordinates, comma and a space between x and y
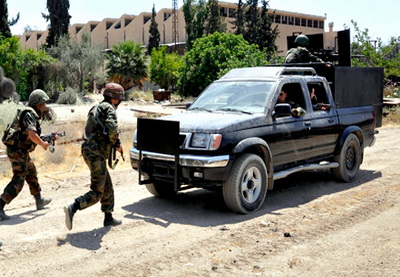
237, 137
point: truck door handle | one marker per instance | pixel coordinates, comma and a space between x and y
331, 120
308, 124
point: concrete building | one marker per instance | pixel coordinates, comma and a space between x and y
110, 31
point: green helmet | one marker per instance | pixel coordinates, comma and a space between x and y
37, 97
301, 40
114, 90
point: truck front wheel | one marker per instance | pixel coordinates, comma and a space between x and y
349, 160
161, 189
246, 187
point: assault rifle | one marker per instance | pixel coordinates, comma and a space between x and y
113, 154
50, 138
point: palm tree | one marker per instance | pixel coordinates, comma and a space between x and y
127, 64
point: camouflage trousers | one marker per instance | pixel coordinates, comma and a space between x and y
101, 188
23, 170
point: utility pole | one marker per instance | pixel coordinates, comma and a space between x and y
175, 34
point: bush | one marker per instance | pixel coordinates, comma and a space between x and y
69, 96
213, 56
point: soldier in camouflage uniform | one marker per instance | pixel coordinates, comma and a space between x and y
300, 54
101, 133
21, 138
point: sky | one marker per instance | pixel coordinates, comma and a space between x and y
378, 16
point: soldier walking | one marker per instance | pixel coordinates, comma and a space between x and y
21, 138
101, 135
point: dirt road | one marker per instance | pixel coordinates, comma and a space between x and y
309, 225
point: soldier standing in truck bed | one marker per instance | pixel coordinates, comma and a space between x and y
21, 138
300, 54
101, 134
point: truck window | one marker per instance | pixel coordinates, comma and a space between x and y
318, 95
295, 96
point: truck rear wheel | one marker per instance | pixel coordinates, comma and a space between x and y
161, 189
246, 187
349, 160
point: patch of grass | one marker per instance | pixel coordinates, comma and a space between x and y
391, 117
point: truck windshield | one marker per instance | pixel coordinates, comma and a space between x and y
235, 96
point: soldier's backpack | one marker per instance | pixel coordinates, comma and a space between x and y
13, 132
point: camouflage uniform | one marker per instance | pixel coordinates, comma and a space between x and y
95, 152
18, 152
300, 55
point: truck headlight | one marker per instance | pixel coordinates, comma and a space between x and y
206, 141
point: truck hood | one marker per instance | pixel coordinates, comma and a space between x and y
214, 122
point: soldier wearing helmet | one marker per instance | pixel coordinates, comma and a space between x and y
21, 138
300, 53
100, 135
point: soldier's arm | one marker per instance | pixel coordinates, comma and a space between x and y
35, 138
111, 124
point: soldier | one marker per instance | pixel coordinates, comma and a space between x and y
300, 54
101, 134
21, 138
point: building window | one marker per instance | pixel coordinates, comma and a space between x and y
145, 19
278, 18
309, 23
127, 21
291, 20
118, 25
27, 38
166, 16
92, 26
297, 21
108, 25
77, 29
303, 22
321, 24
284, 19
315, 25
223, 12
38, 36
232, 13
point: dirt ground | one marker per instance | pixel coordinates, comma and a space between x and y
310, 225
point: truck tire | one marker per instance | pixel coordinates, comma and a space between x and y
161, 189
349, 160
246, 187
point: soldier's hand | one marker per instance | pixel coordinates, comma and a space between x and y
119, 149
45, 145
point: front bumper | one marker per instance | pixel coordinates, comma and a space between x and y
185, 160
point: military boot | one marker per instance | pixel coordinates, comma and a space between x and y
3, 215
69, 211
41, 201
110, 221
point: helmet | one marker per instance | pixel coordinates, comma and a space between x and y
301, 40
114, 90
37, 97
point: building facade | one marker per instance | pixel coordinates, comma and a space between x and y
110, 31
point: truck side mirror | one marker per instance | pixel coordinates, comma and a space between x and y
187, 106
281, 110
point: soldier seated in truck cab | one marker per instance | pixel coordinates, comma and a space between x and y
318, 97
297, 110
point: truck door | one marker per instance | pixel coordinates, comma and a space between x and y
321, 120
290, 136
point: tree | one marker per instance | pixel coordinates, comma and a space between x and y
238, 23
251, 21
24, 67
127, 64
81, 61
4, 23
266, 36
164, 68
368, 52
214, 20
59, 20
213, 56
195, 14
154, 40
